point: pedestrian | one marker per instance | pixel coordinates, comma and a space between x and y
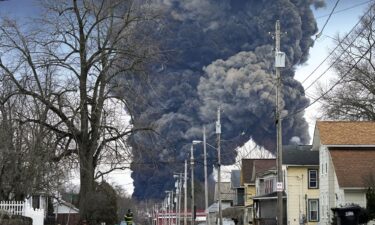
129, 217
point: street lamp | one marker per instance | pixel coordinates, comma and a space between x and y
205, 174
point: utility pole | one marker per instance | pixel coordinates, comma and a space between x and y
178, 185
205, 175
185, 194
171, 209
279, 62
192, 182
218, 133
179, 197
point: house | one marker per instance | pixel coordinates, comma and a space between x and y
301, 193
347, 156
249, 168
65, 213
265, 201
226, 197
236, 211
301, 173
237, 188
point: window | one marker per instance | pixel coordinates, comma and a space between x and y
269, 186
36, 201
313, 210
313, 179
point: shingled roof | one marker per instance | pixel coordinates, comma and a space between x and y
300, 155
250, 167
345, 132
354, 167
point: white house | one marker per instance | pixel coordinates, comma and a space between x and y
347, 156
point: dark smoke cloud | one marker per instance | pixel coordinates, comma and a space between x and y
220, 52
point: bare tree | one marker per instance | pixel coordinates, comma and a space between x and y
351, 95
26, 165
68, 62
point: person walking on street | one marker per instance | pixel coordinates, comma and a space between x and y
129, 217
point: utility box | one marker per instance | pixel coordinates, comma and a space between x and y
280, 59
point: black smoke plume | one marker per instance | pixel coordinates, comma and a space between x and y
219, 53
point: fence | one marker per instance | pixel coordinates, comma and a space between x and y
23, 209
13, 207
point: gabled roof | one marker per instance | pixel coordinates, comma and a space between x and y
354, 167
250, 167
345, 132
300, 155
69, 207
262, 165
246, 170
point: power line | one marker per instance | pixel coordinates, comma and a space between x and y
345, 9
338, 45
329, 17
336, 83
345, 50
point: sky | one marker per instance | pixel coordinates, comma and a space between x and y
345, 17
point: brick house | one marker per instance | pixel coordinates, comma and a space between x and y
347, 156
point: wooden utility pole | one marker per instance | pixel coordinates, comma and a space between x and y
218, 133
185, 194
279, 62
205, 176
192, 183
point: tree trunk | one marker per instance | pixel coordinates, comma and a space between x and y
86, 181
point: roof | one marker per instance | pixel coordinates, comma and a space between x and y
214, 207
300, 155
227, 194
345, 132
354, 167
250, 167
235, 178
61, 203
246, 170
261, 165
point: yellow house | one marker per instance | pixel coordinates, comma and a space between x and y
249, 169
301, 177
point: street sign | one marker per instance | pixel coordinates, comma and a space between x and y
279, 186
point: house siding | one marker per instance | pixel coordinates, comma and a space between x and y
331, 195
356, 197
326, 191
298, 194
249, 194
